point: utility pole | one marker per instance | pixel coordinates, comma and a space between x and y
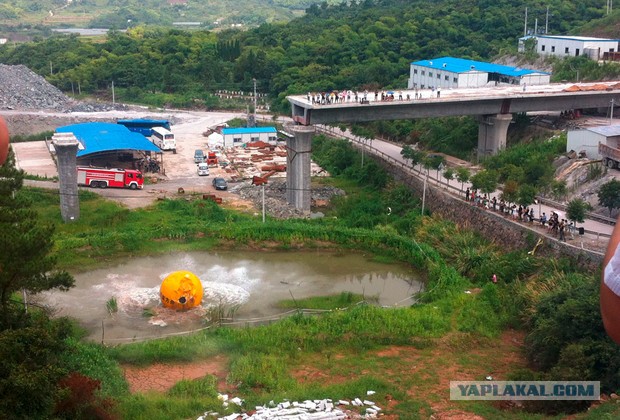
611, 113
51, 68
424, 192
525, 28
263, 203
547, 22
254, 80
113, 97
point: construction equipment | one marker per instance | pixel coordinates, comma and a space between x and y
211, 158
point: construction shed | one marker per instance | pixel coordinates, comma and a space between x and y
240, 136
587, 139
453, 73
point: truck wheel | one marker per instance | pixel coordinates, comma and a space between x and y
133, 186
611, 163
102, 184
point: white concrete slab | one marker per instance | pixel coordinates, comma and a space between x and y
35, 159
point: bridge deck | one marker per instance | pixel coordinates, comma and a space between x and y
479, 101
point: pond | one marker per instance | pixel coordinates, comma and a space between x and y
246, 284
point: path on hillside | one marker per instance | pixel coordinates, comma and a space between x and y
596, 234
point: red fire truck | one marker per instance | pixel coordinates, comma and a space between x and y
103, 178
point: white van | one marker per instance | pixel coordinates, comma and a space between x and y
203, 169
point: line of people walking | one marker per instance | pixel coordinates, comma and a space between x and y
555, 225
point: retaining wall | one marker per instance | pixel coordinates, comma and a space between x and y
493, 226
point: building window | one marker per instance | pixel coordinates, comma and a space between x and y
542, 47
272, 138
447, 78
415, 71
552, 49
430, 74
423, 72
236, 139
455, 80
566, 50
254, 138
611, 50
438, 76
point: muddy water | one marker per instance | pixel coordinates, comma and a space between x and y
251, 282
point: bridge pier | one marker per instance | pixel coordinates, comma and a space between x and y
299, 147
66, 146
492, 131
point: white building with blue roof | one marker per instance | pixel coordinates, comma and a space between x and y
453, 73
240, 136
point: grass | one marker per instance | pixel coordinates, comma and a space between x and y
405, 354
112, 305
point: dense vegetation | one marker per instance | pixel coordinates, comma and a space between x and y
354, 45
128, 13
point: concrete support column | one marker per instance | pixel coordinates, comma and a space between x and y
66, 146
492, 131
298, 166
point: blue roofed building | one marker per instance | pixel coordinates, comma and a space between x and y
453, 73
240, 136
101, 139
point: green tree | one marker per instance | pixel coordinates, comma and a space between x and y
558, 189
576, 210
30, 363
609, 195
25, 261
415, 156
485, 181
448, 174
462, 175
526, 195
433, 161
510, 192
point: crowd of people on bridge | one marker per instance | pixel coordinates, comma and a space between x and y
554, 225
349, 96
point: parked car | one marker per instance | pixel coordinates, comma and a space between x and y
220, 184
203, 169
199, 156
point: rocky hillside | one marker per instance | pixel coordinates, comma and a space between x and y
23, 89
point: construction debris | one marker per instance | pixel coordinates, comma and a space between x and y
324, 409
275, 197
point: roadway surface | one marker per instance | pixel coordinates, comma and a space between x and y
492, 100
597, 233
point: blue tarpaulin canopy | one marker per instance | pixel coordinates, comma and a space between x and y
106, 137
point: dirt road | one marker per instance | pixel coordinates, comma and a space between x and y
180, 169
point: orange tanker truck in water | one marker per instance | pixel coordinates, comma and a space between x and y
113, 178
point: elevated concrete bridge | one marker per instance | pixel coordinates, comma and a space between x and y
493, 107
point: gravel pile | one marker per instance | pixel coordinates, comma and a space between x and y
23, 89
275, 197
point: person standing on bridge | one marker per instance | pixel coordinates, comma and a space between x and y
438, 91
